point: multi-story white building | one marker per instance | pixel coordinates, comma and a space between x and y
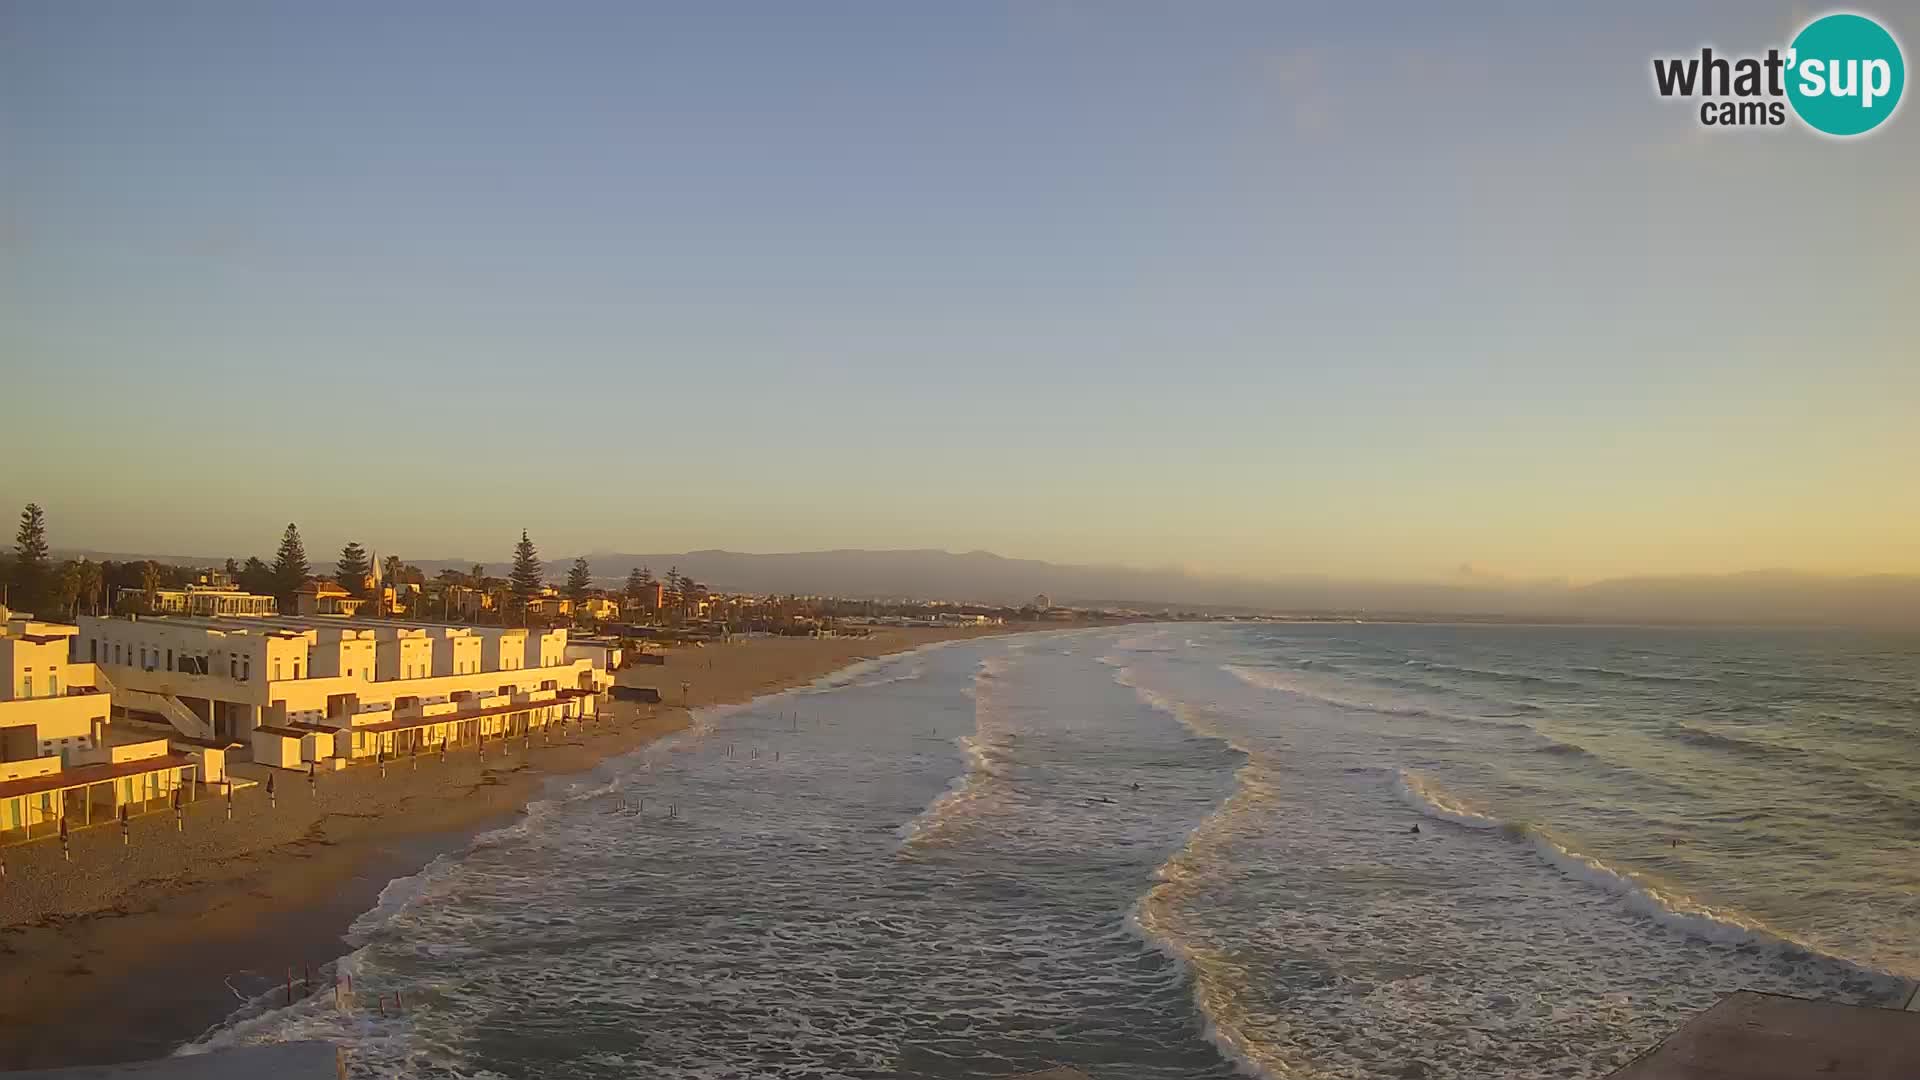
456, 650
223, 678
403, 652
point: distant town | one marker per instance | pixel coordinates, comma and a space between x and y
132, 685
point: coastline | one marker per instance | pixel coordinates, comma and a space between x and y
127, 951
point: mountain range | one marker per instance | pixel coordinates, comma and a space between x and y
984, 577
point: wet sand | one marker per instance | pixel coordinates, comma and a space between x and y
130, 950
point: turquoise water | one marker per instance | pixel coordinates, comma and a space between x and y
1171, 851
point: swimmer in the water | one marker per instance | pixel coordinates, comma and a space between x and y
1415, 829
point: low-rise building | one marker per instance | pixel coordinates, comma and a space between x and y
321, 596
60, 757
598, 608
206, 600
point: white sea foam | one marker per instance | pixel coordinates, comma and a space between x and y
1658, 901
1345, 694
1156, 917
983, 764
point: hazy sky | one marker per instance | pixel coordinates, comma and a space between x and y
1380, 291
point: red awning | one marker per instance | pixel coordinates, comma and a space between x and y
91, 774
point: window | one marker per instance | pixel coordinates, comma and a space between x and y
26, 687
169, 659
116, 653
246, 668
53, 685
276, 671
296, 669
233, 667
93, 650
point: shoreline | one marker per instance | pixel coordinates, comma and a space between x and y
154, 936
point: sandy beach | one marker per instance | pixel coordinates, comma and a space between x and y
125, 951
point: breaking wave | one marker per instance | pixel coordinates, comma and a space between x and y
1643, 894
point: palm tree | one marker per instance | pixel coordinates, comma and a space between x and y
66, 588
91, 580
150, 585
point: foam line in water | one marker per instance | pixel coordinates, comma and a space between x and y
982, 761
265, 1017
1269, 679
1661, 903
1154, 917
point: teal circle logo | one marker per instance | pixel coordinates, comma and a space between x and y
1845, 74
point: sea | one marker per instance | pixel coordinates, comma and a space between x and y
1285, 850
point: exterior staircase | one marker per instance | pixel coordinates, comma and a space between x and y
184, 720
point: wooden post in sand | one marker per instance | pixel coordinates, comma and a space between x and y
229, 798
179, 816
313, 779
289, 984
66, 852
126, 839
271, 801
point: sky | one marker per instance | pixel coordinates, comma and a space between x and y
1404, 291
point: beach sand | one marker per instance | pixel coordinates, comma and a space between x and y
126, 951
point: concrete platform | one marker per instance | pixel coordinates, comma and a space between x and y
1752, 1036
279, 1061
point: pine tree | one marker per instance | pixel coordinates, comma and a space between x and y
290, 569
579, 579
351, 570
477, 576
526, 578
31, 575
636, 588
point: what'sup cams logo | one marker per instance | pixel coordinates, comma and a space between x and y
1841, 75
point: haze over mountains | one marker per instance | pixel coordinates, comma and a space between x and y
979, 576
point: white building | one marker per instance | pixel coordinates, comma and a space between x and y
59, 756
221, 679
202, 600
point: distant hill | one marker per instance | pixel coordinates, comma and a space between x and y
983, 577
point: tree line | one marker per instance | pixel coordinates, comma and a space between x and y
33, 582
